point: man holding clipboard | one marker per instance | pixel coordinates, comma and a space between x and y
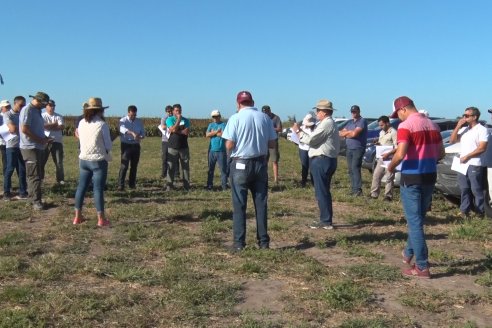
384, 152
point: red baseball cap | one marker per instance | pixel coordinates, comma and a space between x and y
399, 103
244, 96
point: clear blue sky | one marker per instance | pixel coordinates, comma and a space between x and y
289, 54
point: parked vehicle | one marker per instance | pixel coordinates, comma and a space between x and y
447, 179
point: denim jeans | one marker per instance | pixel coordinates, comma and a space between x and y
415, 200
97, 171
354, 164
174, 158
322, 170
15, 162
130, 156
219, 157
56, 151
33, 158
303, 156
252, 175
3, 152
472, 188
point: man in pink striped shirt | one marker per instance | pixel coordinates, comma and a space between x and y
419, 148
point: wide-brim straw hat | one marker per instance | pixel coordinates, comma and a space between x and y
94, 103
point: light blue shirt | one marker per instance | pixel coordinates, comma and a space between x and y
136, 126
31, 116
250, 130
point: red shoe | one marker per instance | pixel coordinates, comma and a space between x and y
103, 223
406, 259
414, 271
78, 220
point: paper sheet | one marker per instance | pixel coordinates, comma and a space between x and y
164, 132
386, 163
294, 138
458, 166
5, 133
380, 150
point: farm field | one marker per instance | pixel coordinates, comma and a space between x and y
165, 260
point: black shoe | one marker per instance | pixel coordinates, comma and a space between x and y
265, 246
357, 193
121, 188
388, 199
235, 249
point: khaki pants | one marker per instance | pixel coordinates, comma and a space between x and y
377, 176
34, 159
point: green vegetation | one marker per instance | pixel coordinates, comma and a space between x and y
165, 261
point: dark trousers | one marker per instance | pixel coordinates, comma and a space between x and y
15, 162
303, 156
4, 158
165, 167
472, 188
56, 151
130, 155
322, 169
354, 163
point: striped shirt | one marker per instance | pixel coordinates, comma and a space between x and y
424, 141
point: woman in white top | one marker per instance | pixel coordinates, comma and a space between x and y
95, 147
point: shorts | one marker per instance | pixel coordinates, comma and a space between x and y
274, 154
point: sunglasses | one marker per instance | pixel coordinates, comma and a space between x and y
467, 115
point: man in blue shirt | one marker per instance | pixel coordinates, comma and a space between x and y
249, 134
179, 128
32, 144
217, 151
131, 132
356, 134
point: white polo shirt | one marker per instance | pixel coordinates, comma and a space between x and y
470, 139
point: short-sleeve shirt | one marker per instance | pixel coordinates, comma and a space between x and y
178, 141
31, 116
470, 139
424, 141
250, 130
387, 138
56, 134
361, 140
216, 142
12, 117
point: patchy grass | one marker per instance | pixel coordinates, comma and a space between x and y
165, 261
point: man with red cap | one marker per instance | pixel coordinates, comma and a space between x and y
419, 148
249, 134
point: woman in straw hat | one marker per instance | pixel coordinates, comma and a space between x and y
95, 147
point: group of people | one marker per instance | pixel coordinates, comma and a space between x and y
242, 149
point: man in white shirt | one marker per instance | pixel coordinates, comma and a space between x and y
53, 128
473, 140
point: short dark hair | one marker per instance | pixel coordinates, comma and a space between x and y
177, 106
132, 108
169, 108
19, 98
475, 111
384, 119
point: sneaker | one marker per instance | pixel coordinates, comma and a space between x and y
463, 215
374, 196
121, 188
61, 182
7, 197
388, 199
103, 223
406, 259
357, 193
414, 271
38, 206
21, 197
78, 220
321, 225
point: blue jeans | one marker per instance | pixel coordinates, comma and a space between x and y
249, 174
219, 157
98, 172
354, 164
416, 200
15, 162
472, 188
303, 156
322, 170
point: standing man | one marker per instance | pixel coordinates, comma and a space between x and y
32, 144
387, 137
14, 157
179, 128
131, 132
216, 150
165, 139
473, 140
274, 154
249, 134
356, 134
419, 148
4, 108
53, 128
324, 146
